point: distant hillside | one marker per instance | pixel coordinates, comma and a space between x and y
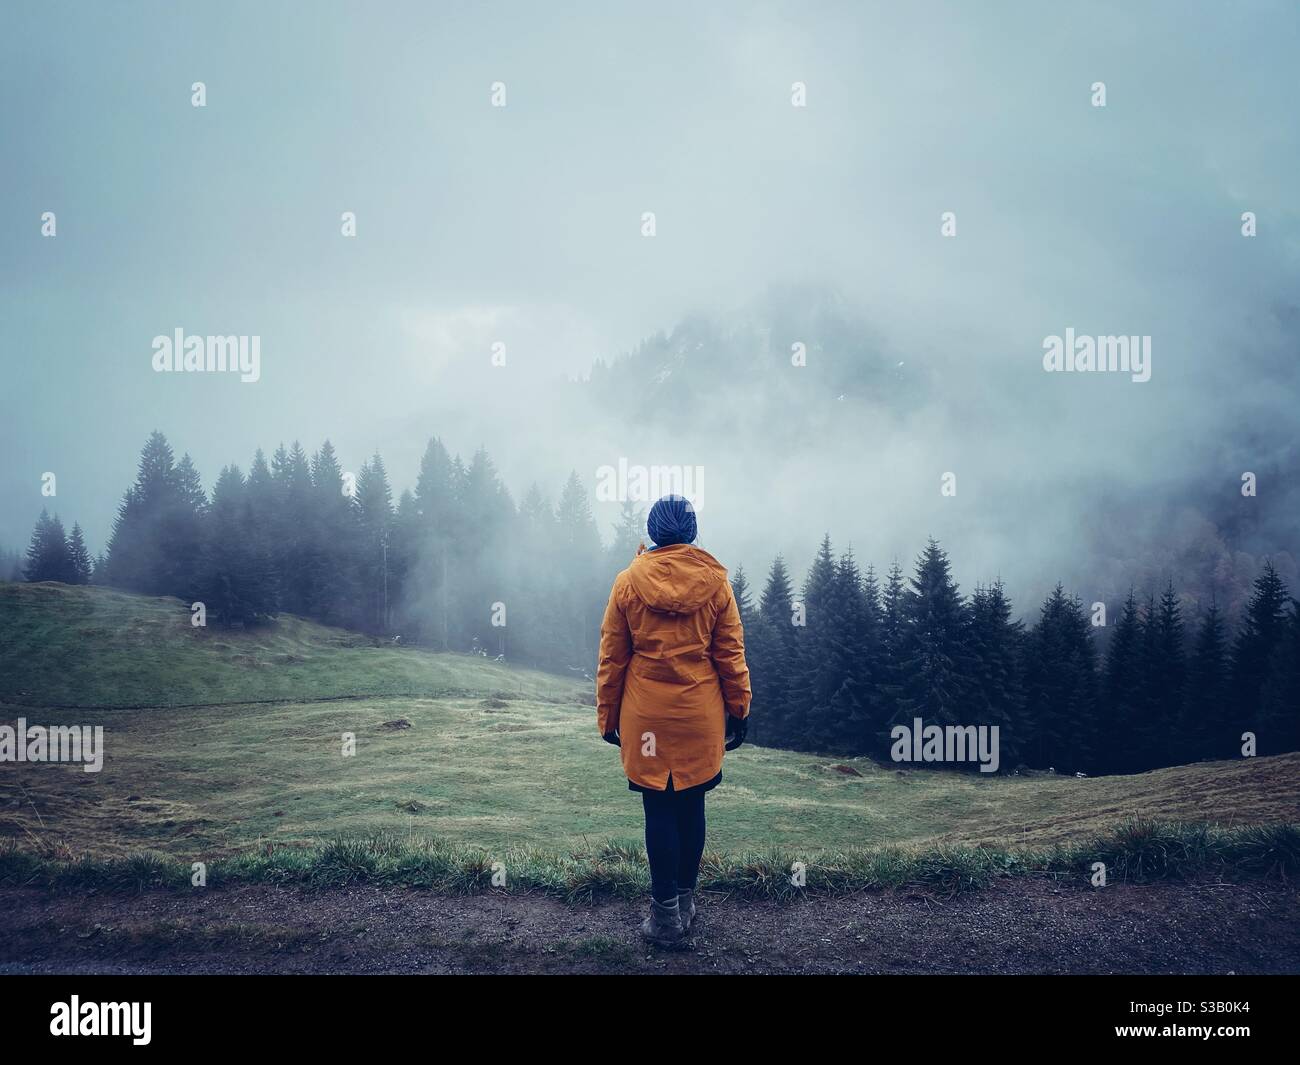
462, 749
65, 645
675, 378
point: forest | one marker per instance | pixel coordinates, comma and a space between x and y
456, 565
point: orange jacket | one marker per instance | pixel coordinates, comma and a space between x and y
672, 664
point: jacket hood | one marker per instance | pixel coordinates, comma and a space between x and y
677, 579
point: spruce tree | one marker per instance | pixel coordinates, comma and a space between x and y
233, 584
933, 656
139, 556
1169, 669
812, 675
1145, 727
1262, 629
181, 520
578, 544
334, 536
1279, 723
261, 510
629, 534
1060, 686
773, 638
48, 557
996, 654
485, 514
294, 540
777, 599
1207, 721
35, 568
740, 589
893, 630
375, 518
537, 630
426, 607
79, 563
1121, 696
854, 660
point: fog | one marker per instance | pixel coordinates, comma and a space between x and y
775, 225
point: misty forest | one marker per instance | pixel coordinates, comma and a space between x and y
457, 565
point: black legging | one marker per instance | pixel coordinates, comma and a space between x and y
674, 839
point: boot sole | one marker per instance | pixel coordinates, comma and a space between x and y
658, 941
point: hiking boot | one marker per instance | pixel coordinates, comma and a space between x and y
663, 927
686, 909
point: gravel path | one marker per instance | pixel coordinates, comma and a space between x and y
1016, 926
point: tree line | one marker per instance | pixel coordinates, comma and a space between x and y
54, 554
453, 564
456, 565
837, 667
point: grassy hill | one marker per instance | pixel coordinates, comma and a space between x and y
219, 741
74, 646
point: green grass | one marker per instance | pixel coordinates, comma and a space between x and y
68, 646
240, 752
1135, 852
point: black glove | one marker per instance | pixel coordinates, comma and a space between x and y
736, 729
612, 737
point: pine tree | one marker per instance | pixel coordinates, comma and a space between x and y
812, 679
1262, 629
334, 536
80, 568
537, 630
740, 589
485, 514
235, 580
934, 658
578, 545
48, 558
996, 689
854, 658
1060, 686
1279, 723
181, 520
401, 556
777, 600
773, 639
1142, 733
261, 511
295, 541
1207, 721
629, 534
426, 607
893, 628
157, 538
1121, 692
36, 567
1168, 672
374, 509
137, 545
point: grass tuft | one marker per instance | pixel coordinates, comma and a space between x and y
1133, 851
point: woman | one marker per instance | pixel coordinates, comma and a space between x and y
672, 682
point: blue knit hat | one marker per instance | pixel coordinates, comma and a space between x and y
671, 521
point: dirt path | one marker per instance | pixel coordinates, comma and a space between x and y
1016, 926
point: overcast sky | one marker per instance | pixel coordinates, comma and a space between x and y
523, 224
